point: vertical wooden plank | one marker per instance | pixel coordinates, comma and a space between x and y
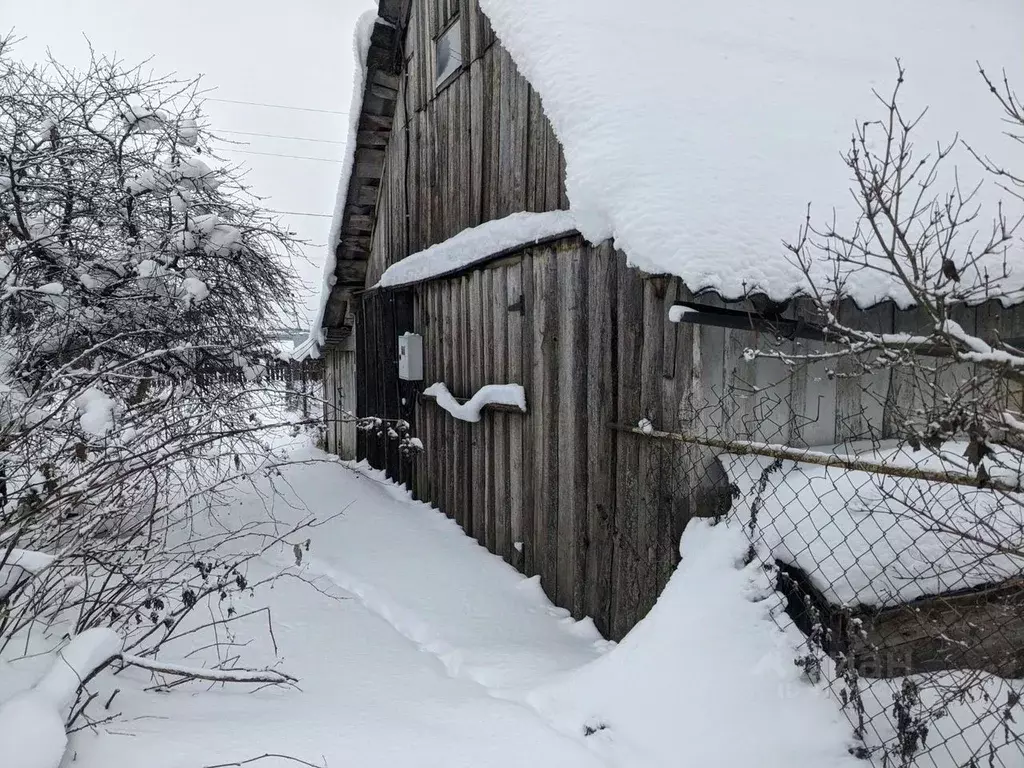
600, 451
572, 367
849, 412
486, 423
458, 385
400, 201
798, 378
362, 375
452, 204
531, 427
739, 385
468, 473
406, 410
649, 512
372, 376
424, 47
466, 175
448, 366
441, 214
499, 421
561, 198
437, 417
860, 398
487, 36
626, 580
773, 415
696, 475
476, 138
389, 362
520, 124
535, 148
545, 385
417, 425
495, 115
673, 497
471, 28
506, 157
478, 501
514, 356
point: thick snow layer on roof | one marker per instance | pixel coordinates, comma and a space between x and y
696, 134
360, 46
865, 539
471, 246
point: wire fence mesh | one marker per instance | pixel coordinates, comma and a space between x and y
899, 566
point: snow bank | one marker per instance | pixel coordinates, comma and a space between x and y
697, 136
97, 412
490, 394
32, 722
477, 244
360, 46
707, 678
867, 539
18, 564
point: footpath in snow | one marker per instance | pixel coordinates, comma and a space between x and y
414, 646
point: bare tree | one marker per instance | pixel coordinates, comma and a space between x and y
923, 239
136, 271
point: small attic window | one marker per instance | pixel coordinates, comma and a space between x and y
448, 51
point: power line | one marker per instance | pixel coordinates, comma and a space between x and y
279, 136
278, 106
301, 213
275, 154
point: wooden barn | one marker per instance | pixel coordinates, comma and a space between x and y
474, 223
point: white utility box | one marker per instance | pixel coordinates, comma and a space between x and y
410, 357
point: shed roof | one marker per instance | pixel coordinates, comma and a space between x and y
697, 133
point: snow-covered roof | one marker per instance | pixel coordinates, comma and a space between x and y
476, 244
696, 134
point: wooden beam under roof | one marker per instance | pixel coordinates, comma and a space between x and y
380, 93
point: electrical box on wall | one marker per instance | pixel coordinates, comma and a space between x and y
410, 357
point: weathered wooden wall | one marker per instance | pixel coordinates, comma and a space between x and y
832, 401
477, 148
596, 512
340, 399
556, 492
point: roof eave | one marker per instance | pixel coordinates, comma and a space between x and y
380, 95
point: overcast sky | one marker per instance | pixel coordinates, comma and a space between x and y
296, 53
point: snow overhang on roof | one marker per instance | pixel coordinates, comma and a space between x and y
696, 134
374, 94
696, 140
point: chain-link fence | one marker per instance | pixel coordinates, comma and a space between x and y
901, 563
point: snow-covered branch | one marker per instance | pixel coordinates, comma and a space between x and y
214, 675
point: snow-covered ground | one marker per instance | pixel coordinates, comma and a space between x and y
415, 646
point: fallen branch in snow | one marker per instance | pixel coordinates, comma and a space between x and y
268, 756
214, 675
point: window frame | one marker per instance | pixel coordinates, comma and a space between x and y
439, 83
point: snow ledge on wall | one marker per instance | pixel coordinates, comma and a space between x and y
491, 394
